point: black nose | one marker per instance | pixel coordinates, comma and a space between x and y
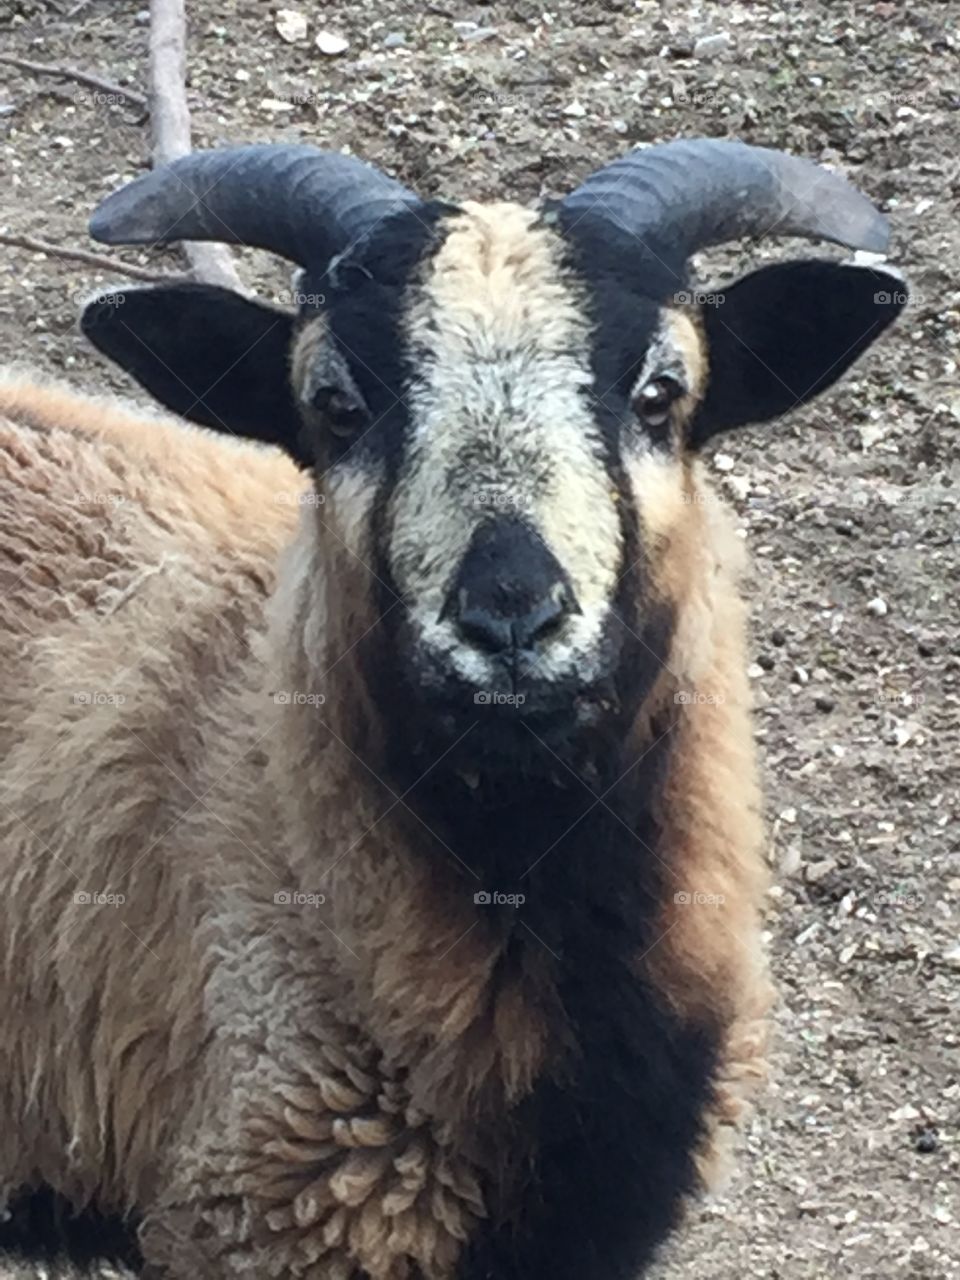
510, 590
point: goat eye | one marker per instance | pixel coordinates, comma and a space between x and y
653, 401
342, 412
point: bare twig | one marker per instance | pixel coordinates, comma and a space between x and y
170, 123
83, 255
81, 77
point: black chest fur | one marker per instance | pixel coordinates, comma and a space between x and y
610, 1131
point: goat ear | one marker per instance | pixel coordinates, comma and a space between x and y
783, 334
206, 353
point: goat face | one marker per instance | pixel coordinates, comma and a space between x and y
501, 409
501, 482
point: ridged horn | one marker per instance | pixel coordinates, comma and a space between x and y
305, 204
703, 191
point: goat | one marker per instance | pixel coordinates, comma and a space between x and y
381, 847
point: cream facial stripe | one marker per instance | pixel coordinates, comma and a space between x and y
502, 420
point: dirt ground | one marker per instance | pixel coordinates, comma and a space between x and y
851, 1165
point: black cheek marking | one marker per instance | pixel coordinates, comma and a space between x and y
366, 301
627, 286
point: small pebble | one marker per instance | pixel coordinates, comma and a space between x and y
331, 44
814, 872
925, 1141
824, 703
778, 637
878, 607
766, 661
710, 46
291, 25
395, 40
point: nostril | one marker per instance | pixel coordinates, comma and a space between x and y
496, 633
485, 629
544, 619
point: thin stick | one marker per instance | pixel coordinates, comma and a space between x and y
81, 77
83, 255
170, 125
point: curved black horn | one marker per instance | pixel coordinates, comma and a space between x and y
704, 191
298, 201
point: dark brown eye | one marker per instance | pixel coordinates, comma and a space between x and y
343, 413
653, 402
